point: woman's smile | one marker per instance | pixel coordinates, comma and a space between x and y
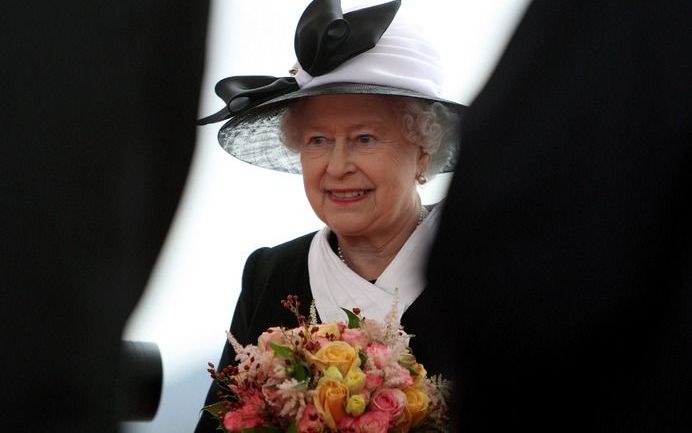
345, 196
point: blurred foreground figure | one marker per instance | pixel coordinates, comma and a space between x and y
98, 107
564, 253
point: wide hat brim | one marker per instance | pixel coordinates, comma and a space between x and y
254, 135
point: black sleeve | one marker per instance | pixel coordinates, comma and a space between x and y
244, 311
246, 305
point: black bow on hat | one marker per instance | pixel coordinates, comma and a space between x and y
325, 38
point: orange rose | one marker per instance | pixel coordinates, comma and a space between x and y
330, 401
335, 353
417, 403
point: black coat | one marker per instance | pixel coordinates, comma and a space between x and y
271, 274
565, 249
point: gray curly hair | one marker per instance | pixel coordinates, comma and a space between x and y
432, 126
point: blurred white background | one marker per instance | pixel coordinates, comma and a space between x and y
230, 208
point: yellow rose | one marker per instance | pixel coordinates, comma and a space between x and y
327, 328
335, 353
355, 379
417, 403
356, 405
421, 374
332, 372
407, 359
330, 401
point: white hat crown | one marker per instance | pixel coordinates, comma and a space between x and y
402, 58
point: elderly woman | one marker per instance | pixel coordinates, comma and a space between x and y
362, 121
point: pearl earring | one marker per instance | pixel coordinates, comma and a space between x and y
421, 179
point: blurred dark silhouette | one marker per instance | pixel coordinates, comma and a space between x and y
140, 381
99, 100
563, 266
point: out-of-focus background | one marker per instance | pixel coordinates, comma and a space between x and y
230, 208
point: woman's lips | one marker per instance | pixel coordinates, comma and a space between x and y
347, 195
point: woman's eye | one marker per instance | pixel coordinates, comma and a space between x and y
316, 141
365, 139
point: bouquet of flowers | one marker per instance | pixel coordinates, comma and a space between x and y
352, 376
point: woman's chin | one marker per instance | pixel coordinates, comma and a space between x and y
348, 228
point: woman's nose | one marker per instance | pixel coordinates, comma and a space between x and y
340, 162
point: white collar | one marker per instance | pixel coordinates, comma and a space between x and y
334, 285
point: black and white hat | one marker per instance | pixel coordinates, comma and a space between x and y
359, 52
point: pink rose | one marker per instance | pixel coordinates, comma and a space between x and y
373, 380
354, 337
392, 401
379, 353
373, 422
310, 421
245, 417
348, 424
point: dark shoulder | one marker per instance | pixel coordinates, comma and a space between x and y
298, 244
285, 264
270, 275
287, 254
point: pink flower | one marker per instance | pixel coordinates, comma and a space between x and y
245, 417
271, 335
310, 421
391, 401
397, 376
373, 379
348, 424
354, 337
373, 422
379, 353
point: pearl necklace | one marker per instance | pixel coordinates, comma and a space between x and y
421, 216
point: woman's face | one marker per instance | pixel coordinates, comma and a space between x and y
359, 171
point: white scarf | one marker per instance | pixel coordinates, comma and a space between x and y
334, 285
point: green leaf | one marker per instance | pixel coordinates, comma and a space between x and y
410, 370
281, 351
301, 372
363, 357
292, 428
215, 408
353, 320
